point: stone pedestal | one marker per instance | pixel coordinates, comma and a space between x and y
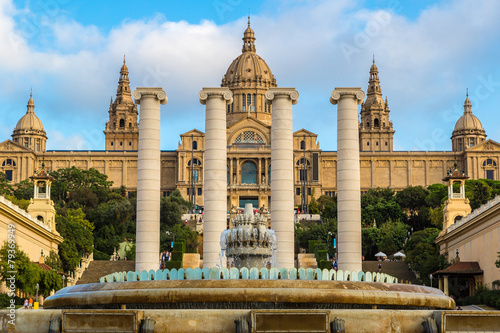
348, 178
282, 219
148, 178
215, 183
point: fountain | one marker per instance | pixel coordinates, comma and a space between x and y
249, 297
249, 243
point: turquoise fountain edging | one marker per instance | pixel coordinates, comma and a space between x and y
244, 273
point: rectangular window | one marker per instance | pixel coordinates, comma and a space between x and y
243, 103
386, 143
8, 173
297, 191
195, 175
303, 175
367, 143
112, 143
308, 191
490, 174
253, 102
187, 191
315, 167
130, 143
121, 143
249, 100
199, 190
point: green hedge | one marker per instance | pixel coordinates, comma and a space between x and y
321, 255
325, 264
173, 264
176, 256
312, 244
179, 246
487, 297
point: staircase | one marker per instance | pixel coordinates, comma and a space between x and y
100, 268
398, 269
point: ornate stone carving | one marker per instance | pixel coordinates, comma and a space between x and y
142, 92
225, 93
290, 92
357, 93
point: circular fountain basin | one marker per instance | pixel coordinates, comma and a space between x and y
249, 294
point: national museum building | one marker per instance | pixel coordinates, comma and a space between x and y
248, 141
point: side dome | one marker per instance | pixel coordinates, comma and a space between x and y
468, 123
30, 122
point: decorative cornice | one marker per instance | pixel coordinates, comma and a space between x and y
223, 92
291, 93
156, 92
355, 92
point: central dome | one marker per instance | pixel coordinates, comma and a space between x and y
248, 77
30, 122
249, 70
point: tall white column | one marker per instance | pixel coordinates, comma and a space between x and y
348, 178
148, 178
215, 169
282, 221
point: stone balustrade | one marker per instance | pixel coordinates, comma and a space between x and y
234, 273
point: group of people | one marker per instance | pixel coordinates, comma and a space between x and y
165, 256
28, 303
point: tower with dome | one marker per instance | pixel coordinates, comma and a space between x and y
248, 134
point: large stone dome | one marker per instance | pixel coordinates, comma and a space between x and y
29, 122
468, 123
249, 70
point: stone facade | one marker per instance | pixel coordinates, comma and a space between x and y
248, 130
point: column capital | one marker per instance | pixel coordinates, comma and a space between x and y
223, 92
157, 92
355, 92
293, 94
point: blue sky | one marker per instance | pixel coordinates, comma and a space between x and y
427, 52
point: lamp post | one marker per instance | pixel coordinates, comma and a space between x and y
173, 237
37, 286
63, 279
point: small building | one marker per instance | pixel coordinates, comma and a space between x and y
473, 237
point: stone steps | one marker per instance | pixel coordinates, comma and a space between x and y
100, 268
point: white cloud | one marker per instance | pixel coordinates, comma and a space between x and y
425, 65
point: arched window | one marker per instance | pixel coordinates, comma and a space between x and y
130, 125
249, 137
375, 123
196, 162
248, 173
302, 144
302, 161
9, 162
367, 124
489, 162
195, 145
122, 122
243, 102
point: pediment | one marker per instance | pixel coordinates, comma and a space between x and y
488, 145
193, 132
303, 131
249, 122
9, 145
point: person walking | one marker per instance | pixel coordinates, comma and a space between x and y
25, 303
379, 268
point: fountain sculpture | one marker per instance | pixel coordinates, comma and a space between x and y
249, 243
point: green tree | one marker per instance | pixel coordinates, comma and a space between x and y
412, 199
313, 204
180, 231
379, 205
5, 187
478, 192
436, 217
172, 208
23, 190
437, 195
21, 203
423, 253
12, 258
54, 261
111, 220
311, 230
77, 234
328, 207
70, 179
49, 280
